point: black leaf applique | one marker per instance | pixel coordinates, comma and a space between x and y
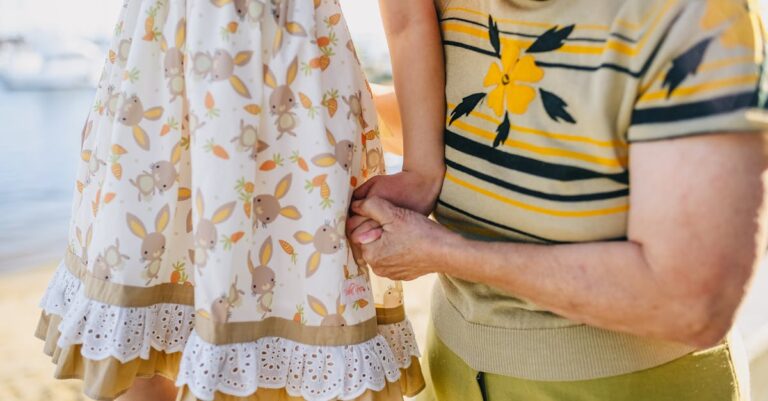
466, 106
555, 107
550, 40
685, 65
502, 132
493, 34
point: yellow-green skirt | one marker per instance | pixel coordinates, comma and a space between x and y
708, 375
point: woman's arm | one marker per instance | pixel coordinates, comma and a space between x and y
697, 227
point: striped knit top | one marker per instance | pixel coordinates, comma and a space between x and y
545, 98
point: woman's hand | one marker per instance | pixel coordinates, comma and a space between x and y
397, 243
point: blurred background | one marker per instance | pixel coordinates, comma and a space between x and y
45, 94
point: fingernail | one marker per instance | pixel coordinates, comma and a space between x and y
368, 237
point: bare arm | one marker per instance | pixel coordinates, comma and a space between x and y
418, 68
697, 227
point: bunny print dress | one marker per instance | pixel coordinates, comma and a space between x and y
207, 235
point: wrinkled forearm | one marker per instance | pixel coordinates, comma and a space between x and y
696, 230
605, 284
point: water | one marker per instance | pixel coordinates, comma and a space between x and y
39, 150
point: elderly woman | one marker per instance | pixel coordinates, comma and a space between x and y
602, 208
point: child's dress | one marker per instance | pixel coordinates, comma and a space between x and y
207, 239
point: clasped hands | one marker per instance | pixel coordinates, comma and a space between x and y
388, 228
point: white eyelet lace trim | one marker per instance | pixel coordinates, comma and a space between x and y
62, 291
402, 341
125, 333
316, 373
113, 331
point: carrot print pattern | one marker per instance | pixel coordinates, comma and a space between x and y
325, 190
215, 173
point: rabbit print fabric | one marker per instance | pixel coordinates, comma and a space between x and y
217, 168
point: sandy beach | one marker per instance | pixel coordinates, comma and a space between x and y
26, 374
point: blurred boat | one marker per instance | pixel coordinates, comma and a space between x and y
48, 62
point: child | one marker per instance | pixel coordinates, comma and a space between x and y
207, 239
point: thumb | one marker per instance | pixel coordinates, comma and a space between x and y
362, 191
375, 208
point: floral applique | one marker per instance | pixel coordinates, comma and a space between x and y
735, 28
513, 81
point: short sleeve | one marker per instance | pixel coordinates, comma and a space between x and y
706, 76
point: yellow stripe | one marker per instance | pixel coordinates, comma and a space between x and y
611, 44
519, 22
515, 144
621, 22
553, 135
717, 64
685, 91
533, 208
706, 67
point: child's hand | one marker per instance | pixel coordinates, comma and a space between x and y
408, 189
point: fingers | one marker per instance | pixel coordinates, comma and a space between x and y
375, 208
355, 221
367, 232
362, 191
368, 237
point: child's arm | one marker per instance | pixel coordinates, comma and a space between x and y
418, 68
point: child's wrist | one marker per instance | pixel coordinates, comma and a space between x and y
429, 172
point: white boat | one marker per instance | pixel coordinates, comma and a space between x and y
41, 63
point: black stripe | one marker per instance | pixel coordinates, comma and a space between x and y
495, 224
688, 111
537, 194
622, 37
532, 36
560, 172
469, 47
607, 66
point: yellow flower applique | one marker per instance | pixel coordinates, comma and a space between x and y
509, 77
514, 77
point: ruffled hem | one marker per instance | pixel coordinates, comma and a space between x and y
109, 331
412, 379
391, 392
109, 346
61, 293
104, 379
411, 383
402, 341
314, 373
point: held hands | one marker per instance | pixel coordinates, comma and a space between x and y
397, 243
408, 189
